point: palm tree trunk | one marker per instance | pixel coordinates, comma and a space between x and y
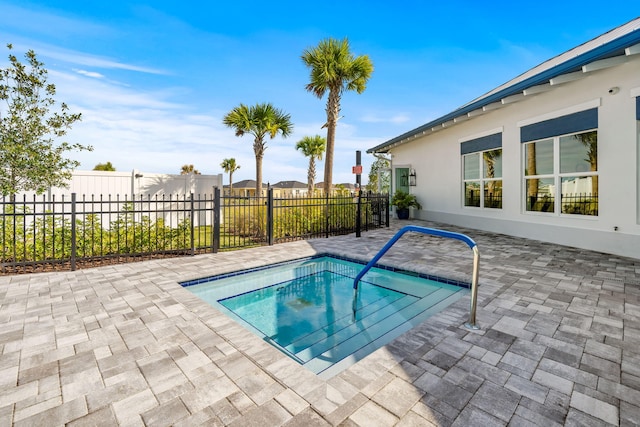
311, 175
258, 149
231, 183
333, 109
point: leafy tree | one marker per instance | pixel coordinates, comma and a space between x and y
259, 120
230, 166
379, 177
29, 158
187, 169
334, 69
312, 147
107, 167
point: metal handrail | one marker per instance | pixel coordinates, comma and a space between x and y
471, 324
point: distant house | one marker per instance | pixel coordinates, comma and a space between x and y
244, 188
247, 188
552, 155
341, 187
289, 188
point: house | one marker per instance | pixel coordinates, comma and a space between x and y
342, 188
289, 188
552, 155
244, 188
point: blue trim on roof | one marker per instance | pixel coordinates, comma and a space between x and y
576, 122
481, 144
613, 48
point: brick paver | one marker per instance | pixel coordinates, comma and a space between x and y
126, 344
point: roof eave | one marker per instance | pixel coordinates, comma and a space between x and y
603, 51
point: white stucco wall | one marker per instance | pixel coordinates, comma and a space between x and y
437, 160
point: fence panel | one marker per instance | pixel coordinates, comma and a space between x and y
40, 234
244, 222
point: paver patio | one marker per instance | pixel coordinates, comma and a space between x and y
127, 345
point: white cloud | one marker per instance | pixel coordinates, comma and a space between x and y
88, 60
90, 93
92, 74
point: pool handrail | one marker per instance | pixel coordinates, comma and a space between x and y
471, 324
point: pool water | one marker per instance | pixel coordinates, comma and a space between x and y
305, 308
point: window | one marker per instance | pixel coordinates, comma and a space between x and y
568, 163
483, 179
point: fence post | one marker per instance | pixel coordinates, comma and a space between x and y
215, 238
366, 210
326, 216
386, 210
358, 214
270, 216
73, 231
359, 190
193, 238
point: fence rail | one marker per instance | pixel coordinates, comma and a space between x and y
576, 204
40, 234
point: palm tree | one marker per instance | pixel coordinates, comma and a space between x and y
335, 69
590, 141
312, 147
230, 166
187, 169
259, 120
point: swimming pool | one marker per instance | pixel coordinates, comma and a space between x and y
304, 307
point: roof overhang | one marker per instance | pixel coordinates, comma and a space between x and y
609, 50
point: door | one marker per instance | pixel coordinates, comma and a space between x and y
402, 179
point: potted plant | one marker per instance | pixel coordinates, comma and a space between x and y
403, 201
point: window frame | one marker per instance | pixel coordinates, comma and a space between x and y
557, 176
481, 179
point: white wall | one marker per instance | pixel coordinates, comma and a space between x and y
121, 186
126, 184
437, 160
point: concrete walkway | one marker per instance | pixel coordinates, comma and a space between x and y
126, 345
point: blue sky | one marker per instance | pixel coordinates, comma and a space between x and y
153, 79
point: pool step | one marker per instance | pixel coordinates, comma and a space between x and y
362, 335
342, 321
371, 325
345, 327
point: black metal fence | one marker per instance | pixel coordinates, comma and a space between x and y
575, 204
39, 234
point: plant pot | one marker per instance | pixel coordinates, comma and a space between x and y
403, 213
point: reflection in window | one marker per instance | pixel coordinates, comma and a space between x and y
483, 179
579, 153
471, 166
576, 174
472, 194
493, 194
539, 158
578, 196
540, 193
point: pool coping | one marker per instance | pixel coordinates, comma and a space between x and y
359, 353
454, 282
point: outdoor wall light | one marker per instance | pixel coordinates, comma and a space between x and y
412, 177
